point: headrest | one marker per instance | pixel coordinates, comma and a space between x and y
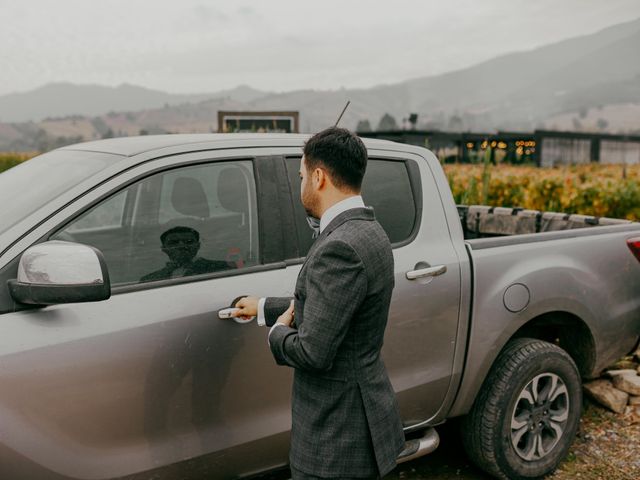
232, 190
188, 198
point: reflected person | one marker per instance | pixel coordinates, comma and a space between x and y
181, 245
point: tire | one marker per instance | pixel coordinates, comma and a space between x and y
508, 433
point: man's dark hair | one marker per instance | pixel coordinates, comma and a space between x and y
193, 232
341, 153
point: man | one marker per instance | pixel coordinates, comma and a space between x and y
345, 417
181, 245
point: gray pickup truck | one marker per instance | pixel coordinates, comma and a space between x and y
116, 255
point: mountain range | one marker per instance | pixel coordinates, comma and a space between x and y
67, 99
590, 82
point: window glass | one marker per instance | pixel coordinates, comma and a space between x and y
108, 215
178, 223
385, 187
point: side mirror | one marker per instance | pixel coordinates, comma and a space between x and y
61, 272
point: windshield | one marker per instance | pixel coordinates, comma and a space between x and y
36, 182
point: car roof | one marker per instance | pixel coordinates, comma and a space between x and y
130, 146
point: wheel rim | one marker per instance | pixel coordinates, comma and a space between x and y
539, 417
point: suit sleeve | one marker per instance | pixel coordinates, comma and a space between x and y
274, 307
336, 286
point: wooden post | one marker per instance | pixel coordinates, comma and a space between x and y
537, 153
595, 150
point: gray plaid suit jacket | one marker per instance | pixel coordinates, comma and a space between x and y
344, 410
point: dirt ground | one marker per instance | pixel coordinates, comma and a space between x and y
607, 448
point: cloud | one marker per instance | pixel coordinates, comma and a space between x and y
247, 11
209, 14
280, 44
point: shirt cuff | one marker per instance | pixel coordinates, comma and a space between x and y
272, 328
261, 319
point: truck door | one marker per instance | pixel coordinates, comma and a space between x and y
151, 377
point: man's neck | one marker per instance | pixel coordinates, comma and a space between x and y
334, 200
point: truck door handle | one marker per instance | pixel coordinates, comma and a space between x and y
426, 272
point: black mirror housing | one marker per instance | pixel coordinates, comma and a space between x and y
55, 294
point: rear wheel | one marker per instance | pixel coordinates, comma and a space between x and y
527, 412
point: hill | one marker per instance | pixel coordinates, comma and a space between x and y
66, 99
586, 82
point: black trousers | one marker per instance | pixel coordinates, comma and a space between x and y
298, 475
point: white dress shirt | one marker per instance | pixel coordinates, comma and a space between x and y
337, 208
327, 217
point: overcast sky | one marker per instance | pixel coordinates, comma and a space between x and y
196, 46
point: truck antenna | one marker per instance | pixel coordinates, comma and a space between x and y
343, 110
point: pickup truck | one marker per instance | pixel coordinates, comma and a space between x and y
116, 255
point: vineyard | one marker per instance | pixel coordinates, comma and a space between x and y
600, 190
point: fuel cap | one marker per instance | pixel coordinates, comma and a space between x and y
516, 297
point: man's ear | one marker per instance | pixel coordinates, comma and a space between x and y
319, 178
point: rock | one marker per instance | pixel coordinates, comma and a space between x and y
626, 371
632, 415
638, 370
629, 383
633, 400
637, 355
604, 393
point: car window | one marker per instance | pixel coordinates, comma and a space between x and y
385, 187
109, 215
178, 223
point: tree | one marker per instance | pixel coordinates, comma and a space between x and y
413, 120
455, 123
602, 123
387, 122
363, 126
100, 126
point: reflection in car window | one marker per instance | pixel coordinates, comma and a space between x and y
181, 245
178, 223
385, 187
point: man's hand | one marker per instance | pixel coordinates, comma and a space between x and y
248, 307
287, 317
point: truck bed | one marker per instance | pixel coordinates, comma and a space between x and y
505, 226
580, 279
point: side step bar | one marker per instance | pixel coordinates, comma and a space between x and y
420, 446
